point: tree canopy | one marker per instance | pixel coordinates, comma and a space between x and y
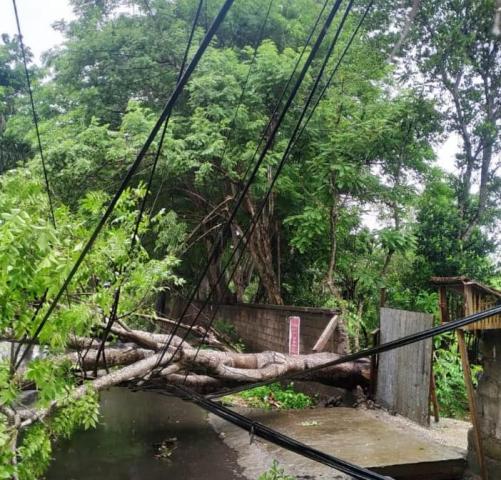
361, 213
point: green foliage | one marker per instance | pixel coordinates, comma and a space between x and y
275, 473
7, 469
449, 379
50, 379
34, 453
228, 329
276, 396
367, 152
76, 413
34, 260
8, 387
442, 250
13, 148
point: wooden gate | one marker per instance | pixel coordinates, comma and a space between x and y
403, 384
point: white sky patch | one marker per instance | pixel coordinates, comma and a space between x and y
36, 18
446, 153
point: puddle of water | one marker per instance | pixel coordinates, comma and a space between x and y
133, 425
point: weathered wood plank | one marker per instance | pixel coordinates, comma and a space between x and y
326, 335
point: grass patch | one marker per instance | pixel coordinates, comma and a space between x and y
271, 396
275, 473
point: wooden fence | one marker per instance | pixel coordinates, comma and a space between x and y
404, 374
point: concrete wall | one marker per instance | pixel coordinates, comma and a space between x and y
489, 406
266, 327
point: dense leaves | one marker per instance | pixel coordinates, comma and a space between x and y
360, 214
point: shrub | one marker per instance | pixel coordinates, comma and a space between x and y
275, 473
275, 395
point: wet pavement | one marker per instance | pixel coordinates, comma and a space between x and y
135, 429
369, 438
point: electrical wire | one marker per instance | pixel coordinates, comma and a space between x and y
226, 229
263, 136
242, 95
385, 347
279, 101
137, 223
273, 436
166, 124
292, 141
250, 229
336, 68
34, 113
166, 112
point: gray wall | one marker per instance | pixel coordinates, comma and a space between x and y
266, 327
489, 406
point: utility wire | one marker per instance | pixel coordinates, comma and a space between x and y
282, 94
277, 104
34, 113
368, 352
250, 229
292, 141
134, 239
166, 112
166, 124
226, 229
263, 136
273, 436
335, 69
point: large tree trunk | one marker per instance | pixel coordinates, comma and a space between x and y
140, 360
261, 253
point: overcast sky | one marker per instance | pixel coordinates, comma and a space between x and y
37, 16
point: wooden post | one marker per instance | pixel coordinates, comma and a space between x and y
472, 403
433, 395
326, 335
375, 334
442, 303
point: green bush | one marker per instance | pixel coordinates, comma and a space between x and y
275, 395
275, 473
228, 329
449, 379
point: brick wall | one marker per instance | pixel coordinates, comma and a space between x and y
266, 327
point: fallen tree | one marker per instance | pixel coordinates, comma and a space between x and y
135, 357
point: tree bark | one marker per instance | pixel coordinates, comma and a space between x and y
261, 253
141, 360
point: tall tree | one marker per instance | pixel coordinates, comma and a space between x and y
456, 50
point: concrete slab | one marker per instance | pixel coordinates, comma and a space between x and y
370, 438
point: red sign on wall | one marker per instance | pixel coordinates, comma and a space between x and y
294, 327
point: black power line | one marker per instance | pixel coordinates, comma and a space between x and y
266, 433
134, 239
166, 124
282, 94
245, 238
34, 113
165, 114
335, 69
250, 229
243, 91
226, 229
368, 352
263, 137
